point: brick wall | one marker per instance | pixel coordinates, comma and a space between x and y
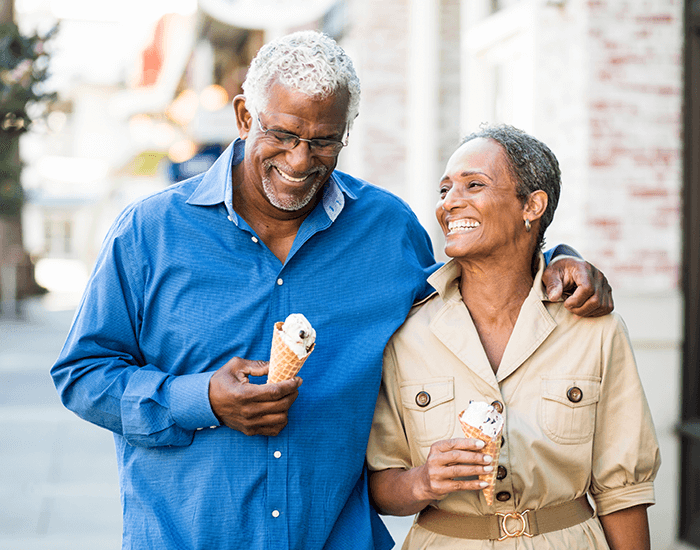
632, 214
377, 40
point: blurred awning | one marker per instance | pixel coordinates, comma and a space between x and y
266, 14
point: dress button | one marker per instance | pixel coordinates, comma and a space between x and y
498, 406
275, 513
254, 239
503, 496
503, 441
574, 394
423, 399
277, 454
280, 282
501, 473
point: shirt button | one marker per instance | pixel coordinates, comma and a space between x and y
254, 239
277, 454
229, 218
423, 399
503, 441
501, 473
574, 394
275, 513
280, 282
498, 406
503, 496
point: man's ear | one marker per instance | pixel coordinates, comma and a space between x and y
244, 120
535, 205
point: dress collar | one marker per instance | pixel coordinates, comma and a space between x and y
446, 280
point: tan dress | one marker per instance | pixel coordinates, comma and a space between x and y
555, 450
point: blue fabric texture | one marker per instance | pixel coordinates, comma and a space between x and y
181, 285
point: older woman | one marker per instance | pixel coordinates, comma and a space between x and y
577, 425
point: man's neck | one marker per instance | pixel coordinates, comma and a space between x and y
275, 227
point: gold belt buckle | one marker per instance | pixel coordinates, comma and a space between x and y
520, 516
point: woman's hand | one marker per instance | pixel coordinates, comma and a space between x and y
406, 492
448, 461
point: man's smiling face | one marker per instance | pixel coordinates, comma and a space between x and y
290, 179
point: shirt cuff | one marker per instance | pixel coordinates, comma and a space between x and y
624, 497
189, 401
561, 257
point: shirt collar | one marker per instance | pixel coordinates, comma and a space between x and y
446, 280
216, 186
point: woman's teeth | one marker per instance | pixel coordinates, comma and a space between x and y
462, 225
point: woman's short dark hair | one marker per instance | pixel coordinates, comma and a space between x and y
532, 165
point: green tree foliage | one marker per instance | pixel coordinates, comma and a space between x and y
24, 64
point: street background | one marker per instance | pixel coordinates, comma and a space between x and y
144, 100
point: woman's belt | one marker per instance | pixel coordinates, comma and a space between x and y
503, 526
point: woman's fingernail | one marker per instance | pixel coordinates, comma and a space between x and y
487, 458
483, 484
479, 444
488, 468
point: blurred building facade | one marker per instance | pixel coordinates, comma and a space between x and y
601, 82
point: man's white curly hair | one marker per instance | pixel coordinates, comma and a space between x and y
307, 61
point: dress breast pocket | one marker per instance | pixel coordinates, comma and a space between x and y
430, 408
568, 408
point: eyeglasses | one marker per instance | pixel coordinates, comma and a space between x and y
287, 141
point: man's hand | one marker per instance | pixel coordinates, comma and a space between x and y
590, 294
253, 409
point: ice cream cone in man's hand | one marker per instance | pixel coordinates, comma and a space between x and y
292, 343
482, 421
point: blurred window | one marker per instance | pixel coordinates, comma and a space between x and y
58, 237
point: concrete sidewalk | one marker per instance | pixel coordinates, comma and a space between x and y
58, 475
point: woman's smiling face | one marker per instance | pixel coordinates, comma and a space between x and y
479, 211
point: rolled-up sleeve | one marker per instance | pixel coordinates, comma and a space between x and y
625, 449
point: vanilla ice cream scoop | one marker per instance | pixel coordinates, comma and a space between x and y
484, 417
298, 334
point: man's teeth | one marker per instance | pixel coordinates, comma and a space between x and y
290, 178
462, 225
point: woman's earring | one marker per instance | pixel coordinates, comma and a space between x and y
527, 225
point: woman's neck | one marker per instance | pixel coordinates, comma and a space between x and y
494, 291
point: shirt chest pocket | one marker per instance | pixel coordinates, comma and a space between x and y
568, 408
430, 408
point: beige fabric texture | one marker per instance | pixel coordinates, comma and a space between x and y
554, 450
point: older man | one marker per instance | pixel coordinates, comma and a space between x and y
174, 330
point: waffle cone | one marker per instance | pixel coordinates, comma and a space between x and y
284, 363
493, 448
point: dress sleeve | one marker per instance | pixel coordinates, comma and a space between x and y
101, 374
625, 449
388, 446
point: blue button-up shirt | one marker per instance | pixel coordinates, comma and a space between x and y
183, 284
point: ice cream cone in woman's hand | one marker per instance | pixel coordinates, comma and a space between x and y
482, 421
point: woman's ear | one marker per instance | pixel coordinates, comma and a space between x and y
244, 120
535, 205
